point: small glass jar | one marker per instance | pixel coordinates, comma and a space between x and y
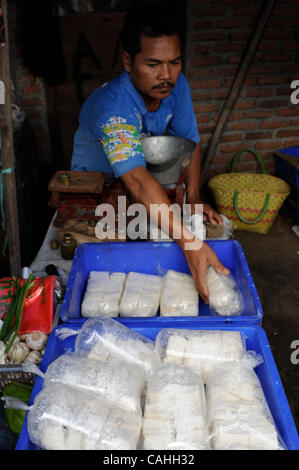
68, 246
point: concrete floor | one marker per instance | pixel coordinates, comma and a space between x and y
273, 260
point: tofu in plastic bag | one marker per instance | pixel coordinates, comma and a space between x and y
103, 294
175, 411
179, 296
141, 296
106, 339
225, 298
200, 350
65, 418
238, 414
119, 383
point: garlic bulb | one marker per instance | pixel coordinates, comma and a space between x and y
34, 356
36, 340
18, 352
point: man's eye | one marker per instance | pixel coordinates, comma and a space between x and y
152, 65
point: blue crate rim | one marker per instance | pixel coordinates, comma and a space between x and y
269, 363
158, 245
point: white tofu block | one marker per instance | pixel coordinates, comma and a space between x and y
141, 296
103, 294
175, 350
179, 296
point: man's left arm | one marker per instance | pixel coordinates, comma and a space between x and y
193, 188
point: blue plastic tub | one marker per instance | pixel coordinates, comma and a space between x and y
154, 258
256, 340
287, 161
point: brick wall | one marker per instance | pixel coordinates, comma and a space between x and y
263, 117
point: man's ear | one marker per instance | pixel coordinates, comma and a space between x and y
127, 63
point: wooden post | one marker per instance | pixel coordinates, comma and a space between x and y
8, 160
237, 85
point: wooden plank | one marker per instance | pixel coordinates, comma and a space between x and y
91, 182
8, 160
237, 85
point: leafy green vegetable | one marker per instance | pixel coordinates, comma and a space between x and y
15, 418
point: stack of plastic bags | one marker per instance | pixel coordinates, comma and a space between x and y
179, 296
200, 350
141, 297
175, 410
103, 294
238, 414
121, 390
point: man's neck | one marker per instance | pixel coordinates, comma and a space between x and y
152, 105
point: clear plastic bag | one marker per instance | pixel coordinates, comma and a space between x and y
179, 296
141, 296
238, 414
200, 350
225, 298
103, 294
65, 418
175, 411
106, 339
118, 382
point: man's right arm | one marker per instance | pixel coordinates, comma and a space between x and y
147, 191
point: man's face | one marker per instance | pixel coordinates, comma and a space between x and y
156, 68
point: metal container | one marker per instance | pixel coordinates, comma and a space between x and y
165, 156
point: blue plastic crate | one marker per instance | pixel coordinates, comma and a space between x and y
151, 258
255, 339
287, 165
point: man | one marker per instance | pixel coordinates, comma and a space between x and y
151, 97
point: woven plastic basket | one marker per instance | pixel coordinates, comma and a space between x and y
250, 200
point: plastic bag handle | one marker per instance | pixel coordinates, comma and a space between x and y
251, 151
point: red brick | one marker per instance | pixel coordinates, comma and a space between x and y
242, 126
199, 72
291, 45
249, 11
258, 114
273, 124
268, 45
214, 10
206, 84
228, 47
230, 148
232, 23
31, 89
204, 96
235, 116
233, 137
291, 142
258, 135
268, 145
290, 68
227, 70
287, 112
201, 119
205, 138
263, 69
285, 11
239, 35
276, 57
208, 36
206, 61
256, 92
200, 49
288, 133
203, 24
244, 104
275, 103
206, 130
278, 80
221, 93
294, 122
234, 59
278, 34
285, 91
206, 108
31, 102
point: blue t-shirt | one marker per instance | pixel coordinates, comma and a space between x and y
114, 118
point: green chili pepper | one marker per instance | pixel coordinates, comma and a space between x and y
15, 418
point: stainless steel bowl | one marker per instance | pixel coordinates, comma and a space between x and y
165, 155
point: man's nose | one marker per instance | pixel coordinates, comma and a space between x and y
164, 72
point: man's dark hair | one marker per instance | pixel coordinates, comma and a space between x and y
153, 19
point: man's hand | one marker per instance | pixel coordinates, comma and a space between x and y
207, 213
199, 261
